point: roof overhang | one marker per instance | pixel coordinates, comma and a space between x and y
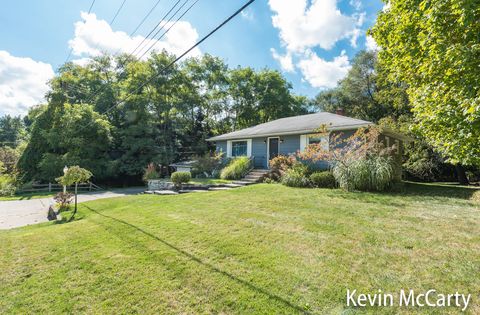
285, 133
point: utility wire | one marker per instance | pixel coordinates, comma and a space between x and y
118, 11
71, 49
145, 18
177, 59
153, 30
161, 20
155, 41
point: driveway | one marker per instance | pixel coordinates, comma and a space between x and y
25, 212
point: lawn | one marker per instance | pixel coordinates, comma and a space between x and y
28, 196
263, 249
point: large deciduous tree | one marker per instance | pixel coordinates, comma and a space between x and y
366, 92
434, 47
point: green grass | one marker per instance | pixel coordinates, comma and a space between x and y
27, 196
263, 249
209, 181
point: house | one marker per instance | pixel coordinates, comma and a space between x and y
288, 135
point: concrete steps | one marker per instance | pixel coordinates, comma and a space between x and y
253, 177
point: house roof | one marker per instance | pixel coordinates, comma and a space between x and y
295, 125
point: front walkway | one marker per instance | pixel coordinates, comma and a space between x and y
18, 213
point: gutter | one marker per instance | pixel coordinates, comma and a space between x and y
295, 132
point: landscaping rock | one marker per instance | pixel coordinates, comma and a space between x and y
52, 215
165, 192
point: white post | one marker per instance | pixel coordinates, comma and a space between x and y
65, 169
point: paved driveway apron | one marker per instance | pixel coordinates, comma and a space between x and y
18, 213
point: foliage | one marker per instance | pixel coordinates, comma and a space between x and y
9, 158
207, 164
67, 134
75, 175
434, 47
165, 121
323, 179
7, 185
279, 165
236, 169
295, 178
369, 173
12, 131
150, 173
366, 92
63, 200
179, 178
360, 162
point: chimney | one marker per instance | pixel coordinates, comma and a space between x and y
340, 112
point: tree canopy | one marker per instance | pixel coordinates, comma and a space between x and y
102, 116
434, 47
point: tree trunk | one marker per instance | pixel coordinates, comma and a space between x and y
461, 175
75, 210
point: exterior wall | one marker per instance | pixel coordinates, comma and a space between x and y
292, 143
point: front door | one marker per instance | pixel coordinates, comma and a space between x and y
272, 148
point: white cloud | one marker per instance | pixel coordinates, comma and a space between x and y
370, 43
286, 62
94, 36
321, 73
321, 24
356, 4
23, 83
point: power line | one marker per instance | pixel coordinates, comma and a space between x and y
161, 20
153, 30
145, 18
71, 49
118, 11
155, 42
178, 58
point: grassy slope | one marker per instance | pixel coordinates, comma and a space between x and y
260, 249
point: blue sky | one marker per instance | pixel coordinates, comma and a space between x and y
312, 42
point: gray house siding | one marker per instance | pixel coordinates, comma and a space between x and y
291, 144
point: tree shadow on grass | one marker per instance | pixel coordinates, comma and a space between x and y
441, 190
206, 264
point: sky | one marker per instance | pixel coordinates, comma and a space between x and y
312, 42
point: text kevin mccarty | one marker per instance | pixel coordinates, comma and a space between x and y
409, 298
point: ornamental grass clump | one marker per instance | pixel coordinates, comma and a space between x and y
372, 173
359, 162
236, 169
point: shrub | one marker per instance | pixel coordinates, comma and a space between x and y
323, 179
7, 185
236, 169
179, 178
63, 200
279, 165
294, 178
207, 165
371, 173
150, 173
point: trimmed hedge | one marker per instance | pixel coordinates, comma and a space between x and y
179, 178
323, 179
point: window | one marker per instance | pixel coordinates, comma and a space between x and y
322, 140
239, 148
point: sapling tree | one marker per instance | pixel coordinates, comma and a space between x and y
74, 176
